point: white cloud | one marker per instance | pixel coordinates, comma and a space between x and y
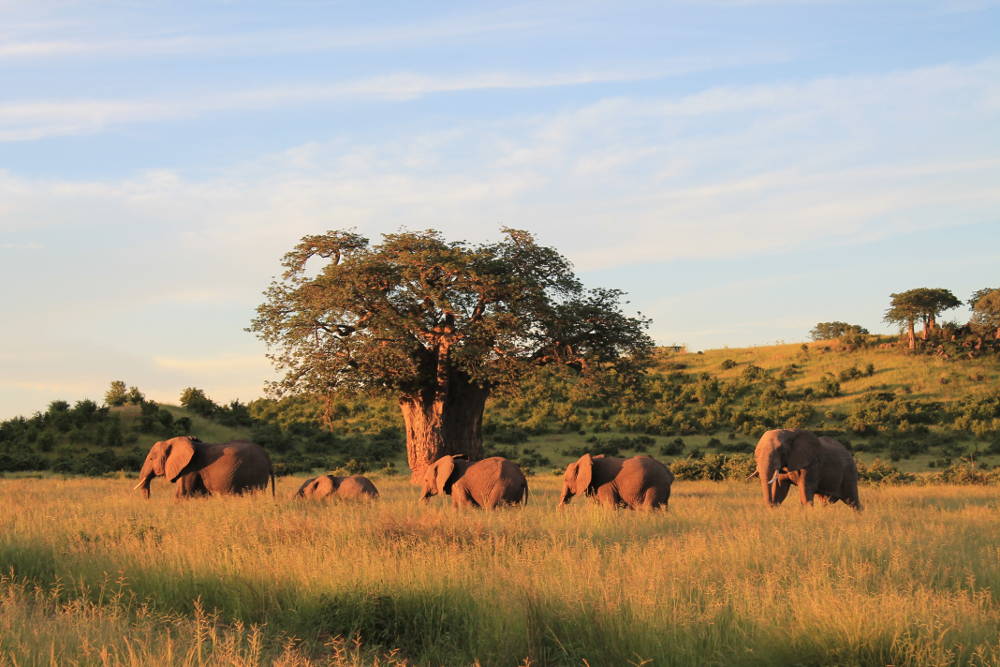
802, 163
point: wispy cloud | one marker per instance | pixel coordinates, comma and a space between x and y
802, 167
30, 120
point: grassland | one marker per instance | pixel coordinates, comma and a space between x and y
94, 575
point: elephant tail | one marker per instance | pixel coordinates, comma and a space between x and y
524, 497
272, 484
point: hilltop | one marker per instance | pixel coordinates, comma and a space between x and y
922, 412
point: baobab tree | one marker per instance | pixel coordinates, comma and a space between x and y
438, 324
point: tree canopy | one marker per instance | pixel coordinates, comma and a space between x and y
922, 303
831, 330
985, 318
438, 323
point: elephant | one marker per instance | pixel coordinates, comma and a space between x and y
200, 468
639, 482
485, 483
818, 466
354, 487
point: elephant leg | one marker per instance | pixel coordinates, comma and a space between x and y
190, 485
806, 492
850, 495
461, 497
652, 499
607, 496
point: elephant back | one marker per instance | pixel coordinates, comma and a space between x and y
642, 472
357, 486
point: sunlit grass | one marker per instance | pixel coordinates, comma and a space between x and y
93, 570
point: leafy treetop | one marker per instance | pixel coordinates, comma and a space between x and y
404, 314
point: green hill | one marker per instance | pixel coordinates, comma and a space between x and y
921, 412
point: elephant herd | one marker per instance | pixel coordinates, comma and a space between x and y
820, 467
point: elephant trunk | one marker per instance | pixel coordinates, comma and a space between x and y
767, 471
145, 477
565, 496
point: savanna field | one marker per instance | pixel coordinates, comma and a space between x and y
96, 575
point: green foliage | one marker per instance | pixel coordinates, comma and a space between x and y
673, 448
116, 395
922, 303
832, 330
196, 401
880, 472
828, 386
979, 414
881, 412
714, 467
985, 304
405, 315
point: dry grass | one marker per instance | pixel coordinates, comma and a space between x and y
97, 576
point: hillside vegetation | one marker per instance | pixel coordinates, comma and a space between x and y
921, 413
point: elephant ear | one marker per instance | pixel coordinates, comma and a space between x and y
802, 448
179, 453
443, 471
305, 485
584, 474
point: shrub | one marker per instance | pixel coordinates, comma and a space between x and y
966, 472
674, 447
828, 386
880, 472
727, 364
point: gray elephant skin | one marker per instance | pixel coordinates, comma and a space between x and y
487, 483
639, 482
326, 487
820, 467
199, 468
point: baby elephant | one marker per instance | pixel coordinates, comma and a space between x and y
485, 483
354, 487
637, 483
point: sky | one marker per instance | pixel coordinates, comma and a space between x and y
743, 169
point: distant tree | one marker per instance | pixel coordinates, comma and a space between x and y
196, 401
831, 330
134, 396
84, 411
985, 304
440, 325
922, 303
117, 394
113, 433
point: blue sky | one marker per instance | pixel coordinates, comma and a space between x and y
742, 168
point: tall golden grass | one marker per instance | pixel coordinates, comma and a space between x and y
95, 575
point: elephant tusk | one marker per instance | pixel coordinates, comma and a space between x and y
139, 485
752, 475
774, 479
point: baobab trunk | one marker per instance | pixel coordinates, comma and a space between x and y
911, 336
443, 420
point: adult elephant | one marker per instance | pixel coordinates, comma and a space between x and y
200, 468
819, 466
640, 482
487, 483
354, 487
